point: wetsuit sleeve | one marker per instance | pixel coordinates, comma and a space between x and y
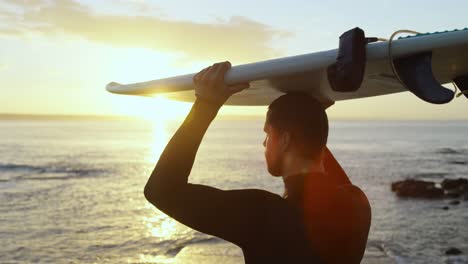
234, 215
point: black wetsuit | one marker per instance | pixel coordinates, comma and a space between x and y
267, 227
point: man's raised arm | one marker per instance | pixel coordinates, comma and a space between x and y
234, 215
173, 168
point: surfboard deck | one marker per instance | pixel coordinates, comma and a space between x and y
307, 73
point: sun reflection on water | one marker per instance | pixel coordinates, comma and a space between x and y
160, 112
144, 258
160, 226
157, 223
159, 141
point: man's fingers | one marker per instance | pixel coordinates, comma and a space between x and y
210, 82
198, 76
204, 74
214, 73
220, 71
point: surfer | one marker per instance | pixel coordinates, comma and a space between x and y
321, 217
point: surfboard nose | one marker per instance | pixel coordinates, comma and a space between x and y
112, 87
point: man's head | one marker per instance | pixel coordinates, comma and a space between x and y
295, 124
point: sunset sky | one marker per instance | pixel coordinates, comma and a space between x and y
56, 56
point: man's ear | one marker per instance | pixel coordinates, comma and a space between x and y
285, 141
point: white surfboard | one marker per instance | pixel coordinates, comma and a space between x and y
308, 73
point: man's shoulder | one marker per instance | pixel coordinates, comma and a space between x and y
351, 193
353, 204
349, 188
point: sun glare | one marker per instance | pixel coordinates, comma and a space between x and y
159, 112
158, 109
160, 138
160, 226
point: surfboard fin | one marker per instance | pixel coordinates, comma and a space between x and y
347, 73
415, 72
462, 83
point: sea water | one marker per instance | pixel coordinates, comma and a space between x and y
71, 191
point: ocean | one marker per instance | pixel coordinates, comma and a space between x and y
71, 191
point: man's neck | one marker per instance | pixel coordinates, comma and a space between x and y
295, 165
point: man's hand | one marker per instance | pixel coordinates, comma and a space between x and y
210, 86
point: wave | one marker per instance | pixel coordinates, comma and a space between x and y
449, 151
432, 175
458, 162
64, 177
391, 250
169, 248
48, 172
173, 250
19, 167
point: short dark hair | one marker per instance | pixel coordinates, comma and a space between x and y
304, 118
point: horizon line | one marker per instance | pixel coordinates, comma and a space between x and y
28, 116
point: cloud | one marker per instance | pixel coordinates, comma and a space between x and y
237, 39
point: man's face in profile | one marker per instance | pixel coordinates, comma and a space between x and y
272, 149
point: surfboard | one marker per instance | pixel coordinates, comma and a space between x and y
308, 72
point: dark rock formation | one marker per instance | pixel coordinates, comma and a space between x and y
454, 184
455, 188
450, 188
417, 189
453, 251
448, 151
452, 194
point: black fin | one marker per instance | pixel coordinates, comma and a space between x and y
462, 83
415, 72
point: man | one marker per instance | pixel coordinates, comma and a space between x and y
321, 218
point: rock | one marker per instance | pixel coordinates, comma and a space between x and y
411, 182
453, 251
455, 202
454, 188
454, 184
451, 188
448, 151
452, 194
417, 189
397, 185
